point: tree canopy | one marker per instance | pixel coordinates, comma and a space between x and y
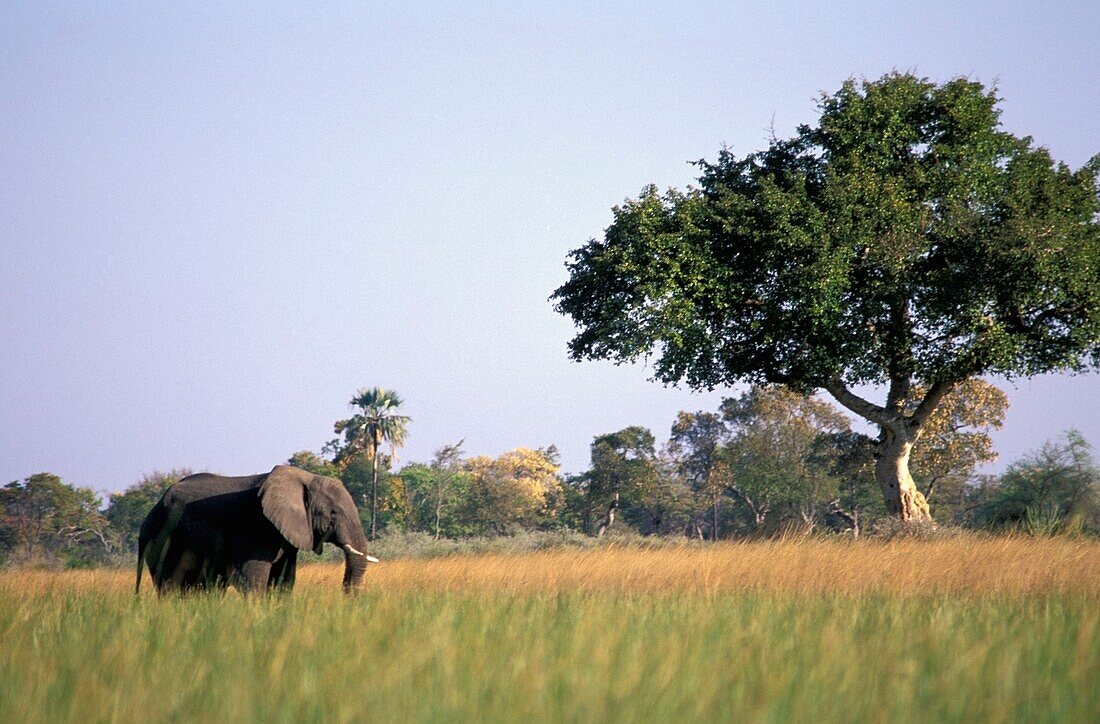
905, 240
43, 518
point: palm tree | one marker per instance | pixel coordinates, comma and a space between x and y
376, 423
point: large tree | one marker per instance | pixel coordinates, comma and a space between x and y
905, 240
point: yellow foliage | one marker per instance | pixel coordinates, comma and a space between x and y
520, 485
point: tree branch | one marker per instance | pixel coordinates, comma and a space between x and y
758, 510
857, 404
931, 400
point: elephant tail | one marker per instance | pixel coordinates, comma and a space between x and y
140, 562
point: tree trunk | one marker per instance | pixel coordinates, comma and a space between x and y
759, 512
609, 517
374, 494
898, 433
900, 493
438, 515
852, 518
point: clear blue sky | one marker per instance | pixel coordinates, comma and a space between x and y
217, 223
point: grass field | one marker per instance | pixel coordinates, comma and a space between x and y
965, 629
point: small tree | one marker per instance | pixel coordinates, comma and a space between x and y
906, 240
1055, 487
695, 446
774, 455
518, 490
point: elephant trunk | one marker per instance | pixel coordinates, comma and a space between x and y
355, 567
355, 563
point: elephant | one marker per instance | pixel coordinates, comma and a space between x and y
210, 531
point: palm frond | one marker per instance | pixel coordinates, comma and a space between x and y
376, 423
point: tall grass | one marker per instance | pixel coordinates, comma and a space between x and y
967, 629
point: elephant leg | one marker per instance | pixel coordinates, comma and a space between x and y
207, 575
283, 570
181, 573
252, 575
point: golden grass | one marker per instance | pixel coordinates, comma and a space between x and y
978, 566
964, 566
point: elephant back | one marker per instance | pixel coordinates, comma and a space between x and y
207, 485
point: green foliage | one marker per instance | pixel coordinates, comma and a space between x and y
1043, 519
906, 234
776, 460
419, 480
437, 492
626, 468
575, 512
314, 463
44, 520
906, 240
359, 473
773, 459
1054, 489
127, 510
623, 462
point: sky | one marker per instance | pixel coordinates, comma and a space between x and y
219, 221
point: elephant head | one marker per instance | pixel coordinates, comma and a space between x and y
310, 510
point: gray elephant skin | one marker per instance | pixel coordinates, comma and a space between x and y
210, 531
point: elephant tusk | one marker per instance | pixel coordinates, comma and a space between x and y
349, 549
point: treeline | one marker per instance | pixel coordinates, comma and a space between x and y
768, 462
46, 521
765, 463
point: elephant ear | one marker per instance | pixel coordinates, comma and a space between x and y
283, 499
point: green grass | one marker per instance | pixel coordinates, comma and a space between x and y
84, 649
614, 657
